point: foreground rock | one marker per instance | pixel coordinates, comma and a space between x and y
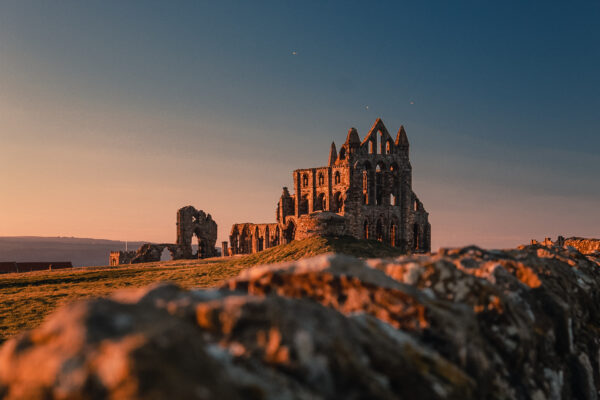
585, 246
464, 323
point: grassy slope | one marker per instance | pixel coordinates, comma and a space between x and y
28, 297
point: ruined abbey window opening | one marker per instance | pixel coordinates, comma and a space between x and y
165, 255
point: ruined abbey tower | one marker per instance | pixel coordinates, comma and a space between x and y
365, 191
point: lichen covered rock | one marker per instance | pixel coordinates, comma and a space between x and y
463, 323
583, 245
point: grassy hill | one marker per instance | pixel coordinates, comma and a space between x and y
28, 297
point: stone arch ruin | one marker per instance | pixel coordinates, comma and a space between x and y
196, 223
150, 252
190, 223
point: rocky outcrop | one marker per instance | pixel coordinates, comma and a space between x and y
463, 323
585, 246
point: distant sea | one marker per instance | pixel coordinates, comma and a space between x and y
81, 252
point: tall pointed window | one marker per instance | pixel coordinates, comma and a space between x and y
338, 203
416, 237
379, 185
393, 233
365, 187
303, 205
379, 230
320, 203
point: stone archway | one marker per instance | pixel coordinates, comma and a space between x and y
196, 223
416, 237
166, 255
338, 202
379, 230
394, 233
202, 249
290, 231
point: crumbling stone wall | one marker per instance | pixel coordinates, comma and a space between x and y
190, 223
120, 257
368, 184
462, 324
320, 224
583, 245
150, 252
250, 238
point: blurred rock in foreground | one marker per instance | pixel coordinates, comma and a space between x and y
464, 323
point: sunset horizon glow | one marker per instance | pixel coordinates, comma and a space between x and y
115, 115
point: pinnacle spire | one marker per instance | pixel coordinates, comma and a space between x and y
401, 138
352, 137
378, 125
332, 154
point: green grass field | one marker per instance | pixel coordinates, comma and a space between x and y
28, 297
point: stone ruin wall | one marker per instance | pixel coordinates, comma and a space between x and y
367, 185
322, 224
583, 245
190, 223
120, 257
249, 238
196, 223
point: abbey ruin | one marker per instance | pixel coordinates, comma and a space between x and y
190, 223
365, 191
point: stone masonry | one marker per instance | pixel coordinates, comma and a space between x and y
583, 245
190, 223
365, 192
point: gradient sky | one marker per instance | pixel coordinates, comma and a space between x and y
113, 114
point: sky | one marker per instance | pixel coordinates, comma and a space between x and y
115, 114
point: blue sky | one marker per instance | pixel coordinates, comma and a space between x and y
114, 114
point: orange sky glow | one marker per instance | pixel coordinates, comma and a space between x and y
107, 129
